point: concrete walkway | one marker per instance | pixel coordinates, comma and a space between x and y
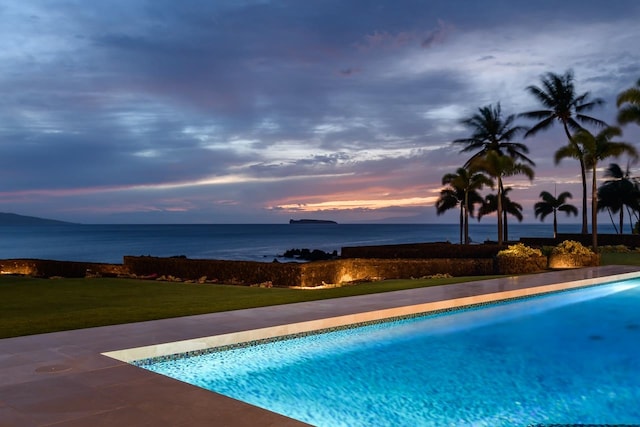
62, 379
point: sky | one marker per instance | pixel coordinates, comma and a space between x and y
258, 111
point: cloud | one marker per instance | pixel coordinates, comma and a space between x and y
437, 36
114, 111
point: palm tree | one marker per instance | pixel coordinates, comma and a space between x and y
629, 100
490, 205
495, 153
492, 132
463, 191
563, 105
499, 166
551, 205
617, 193
469, 180
595, 149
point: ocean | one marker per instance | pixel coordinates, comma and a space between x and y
253, 242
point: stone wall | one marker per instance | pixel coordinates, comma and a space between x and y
354, 270
305, 274
50, 268
422, 251
363, 263
232, 272
310, 274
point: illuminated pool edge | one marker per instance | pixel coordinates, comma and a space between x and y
185, 348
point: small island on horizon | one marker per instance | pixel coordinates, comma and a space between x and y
311, 221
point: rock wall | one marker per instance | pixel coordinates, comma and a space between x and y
310, 274
354, 270
305, 274
422, 251
50, 268
231, 272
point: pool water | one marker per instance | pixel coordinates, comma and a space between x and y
566, 358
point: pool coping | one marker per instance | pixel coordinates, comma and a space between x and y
63, 379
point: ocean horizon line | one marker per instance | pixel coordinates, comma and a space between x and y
240, 241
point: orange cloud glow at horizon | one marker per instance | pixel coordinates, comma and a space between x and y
370, 204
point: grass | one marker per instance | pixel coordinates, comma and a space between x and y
612, 258
34, 306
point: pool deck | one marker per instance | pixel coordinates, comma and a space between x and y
63, 379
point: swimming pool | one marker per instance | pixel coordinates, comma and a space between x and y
562, 358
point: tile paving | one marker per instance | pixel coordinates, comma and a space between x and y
62, 379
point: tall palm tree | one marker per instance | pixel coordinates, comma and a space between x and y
470, 181
629, 105
509, 207
551, 205
618, 192
500, 166
597, 148
493, 132
495, 153
562, 104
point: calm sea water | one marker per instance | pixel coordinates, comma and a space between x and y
257, 242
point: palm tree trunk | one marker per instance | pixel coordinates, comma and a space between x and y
461, 221
555, 225
634, 215
499, 210
466, 217
630, 214
583, 175
612, 221
594, 210
505, 226
621, 219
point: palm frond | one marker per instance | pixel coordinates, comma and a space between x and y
591, 121
569, 209
629, 114
562, 198
546, 123
614, 171
631, 95
565, 152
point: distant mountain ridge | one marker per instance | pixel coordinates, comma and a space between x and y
15, 219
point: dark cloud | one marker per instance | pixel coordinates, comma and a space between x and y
126, 110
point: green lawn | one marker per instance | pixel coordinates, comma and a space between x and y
34, 306
631, 258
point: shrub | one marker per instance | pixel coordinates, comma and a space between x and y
519, 250
571, 247
519, 259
